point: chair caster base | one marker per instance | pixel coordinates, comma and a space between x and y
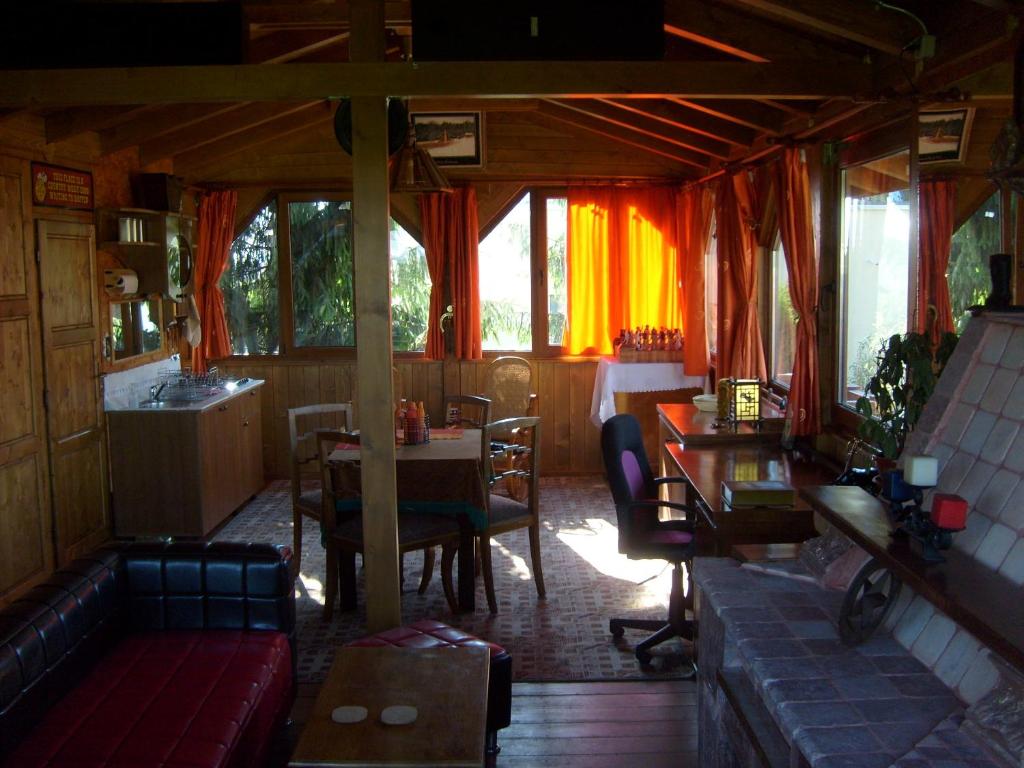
643, 657
491, 744
616, 628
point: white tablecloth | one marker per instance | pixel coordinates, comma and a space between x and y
613, 376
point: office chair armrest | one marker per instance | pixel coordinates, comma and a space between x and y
673, 479
685, 525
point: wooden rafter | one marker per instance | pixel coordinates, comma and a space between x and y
324, 16
159, 122
846, 19
559, 111
291, 45
281, 82
63, 125
746, 113
239, 120
685, 119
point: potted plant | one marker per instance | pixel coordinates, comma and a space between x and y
908, 369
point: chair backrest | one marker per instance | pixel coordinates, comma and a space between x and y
508, 384
336, 479
474, 410
525, 465
302, 425
625, 460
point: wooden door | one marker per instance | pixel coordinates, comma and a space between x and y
26, 546
71, 355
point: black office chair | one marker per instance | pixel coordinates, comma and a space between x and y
642, 536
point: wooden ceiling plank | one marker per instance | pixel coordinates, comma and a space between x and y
280, 47
224, 126
747, 37
559, 111
334, 15
687, 119
846, 19
646, 126
64, 125
749, 114
798, 109
159, 123
467, 104
282, 82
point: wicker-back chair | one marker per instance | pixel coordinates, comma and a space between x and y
508, 384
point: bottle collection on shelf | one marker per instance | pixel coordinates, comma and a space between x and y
412, 423
649, 344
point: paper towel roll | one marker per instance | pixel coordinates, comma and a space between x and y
127, 284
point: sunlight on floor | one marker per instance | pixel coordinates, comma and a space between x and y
518, 564
598, 544
313, 587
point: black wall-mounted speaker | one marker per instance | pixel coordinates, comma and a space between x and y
538, 30
398, 125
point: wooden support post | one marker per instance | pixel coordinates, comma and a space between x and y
373, 332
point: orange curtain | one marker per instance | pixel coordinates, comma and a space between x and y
434, 216
938, 208
464, 261
740, 351
796, 225
216, 232
623, 264
695, 207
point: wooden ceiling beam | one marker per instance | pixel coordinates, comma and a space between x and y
466, 104
290, 45
159, 122
746, 113
561, 112
324, 16
686, 119
64, 125
282, 82
747, 37
646, 126
236, 121
852, 20
204, 158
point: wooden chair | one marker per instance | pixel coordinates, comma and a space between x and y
503, 513
475, 416
508, 384
344, 539
303, 445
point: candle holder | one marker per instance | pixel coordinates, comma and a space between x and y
928, 532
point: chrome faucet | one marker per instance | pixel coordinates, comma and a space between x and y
154, 391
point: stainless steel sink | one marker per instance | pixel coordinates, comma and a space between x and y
171, 403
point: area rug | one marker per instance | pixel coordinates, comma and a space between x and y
563, 637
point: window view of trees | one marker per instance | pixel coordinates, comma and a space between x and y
410, 292
968, 275
783, 319
249, 285
506, 317
557, 224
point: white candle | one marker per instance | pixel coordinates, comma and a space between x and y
922, 471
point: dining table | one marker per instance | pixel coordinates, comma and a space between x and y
442, 476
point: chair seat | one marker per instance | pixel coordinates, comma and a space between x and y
505, 510
413, 528
311, 500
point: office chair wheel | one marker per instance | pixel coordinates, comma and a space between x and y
643, 657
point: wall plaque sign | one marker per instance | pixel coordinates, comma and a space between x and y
61, 187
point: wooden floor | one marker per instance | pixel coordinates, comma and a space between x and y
615, 724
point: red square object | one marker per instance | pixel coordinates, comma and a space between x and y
949, 511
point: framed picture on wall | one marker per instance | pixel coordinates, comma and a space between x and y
942, 136
451, 138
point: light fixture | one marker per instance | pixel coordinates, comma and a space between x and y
745, 400
414, 170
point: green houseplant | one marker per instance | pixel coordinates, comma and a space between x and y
908, 369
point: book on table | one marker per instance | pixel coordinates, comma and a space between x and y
757, 493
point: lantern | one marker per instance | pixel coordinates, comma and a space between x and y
745, 400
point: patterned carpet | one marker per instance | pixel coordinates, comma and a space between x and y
564, 637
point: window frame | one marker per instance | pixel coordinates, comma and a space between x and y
773, 314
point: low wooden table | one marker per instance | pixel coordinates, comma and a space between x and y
447, 685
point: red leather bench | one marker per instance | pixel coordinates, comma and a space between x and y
435, 634
150, 655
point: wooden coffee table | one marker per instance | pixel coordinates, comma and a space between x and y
447, 685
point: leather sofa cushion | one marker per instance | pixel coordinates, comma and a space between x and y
201, 699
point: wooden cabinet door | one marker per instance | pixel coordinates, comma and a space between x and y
252, 443
71, 356
26, 548
219, 451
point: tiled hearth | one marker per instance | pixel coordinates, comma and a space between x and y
923, 691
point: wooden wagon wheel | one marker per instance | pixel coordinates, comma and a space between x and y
870, 597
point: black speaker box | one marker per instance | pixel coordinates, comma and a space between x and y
538, 30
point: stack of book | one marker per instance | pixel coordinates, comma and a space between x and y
743, 494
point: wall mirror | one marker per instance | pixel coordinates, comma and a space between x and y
134, 328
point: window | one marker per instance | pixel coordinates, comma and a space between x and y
556, 223
319, 254
711, 288
968, 275
875, 266
783, 319
249, 285
505, 286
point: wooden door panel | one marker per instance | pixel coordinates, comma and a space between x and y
13, 277
68, 282
73, 402
79, 499
24, 547
16, 385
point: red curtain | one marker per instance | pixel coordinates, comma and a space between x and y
695, 207
796, 225
216, 232
938, 209
434, 218
740, 351
623, 264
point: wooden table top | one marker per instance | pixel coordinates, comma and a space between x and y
447, 685
706, 468
965, 590
694, 427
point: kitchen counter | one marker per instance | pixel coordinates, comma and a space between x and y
173, 405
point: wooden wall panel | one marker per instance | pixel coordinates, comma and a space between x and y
23, 546
15, 385
570, 443
12, 237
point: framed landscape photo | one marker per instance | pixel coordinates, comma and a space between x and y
451, 138
942, 136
